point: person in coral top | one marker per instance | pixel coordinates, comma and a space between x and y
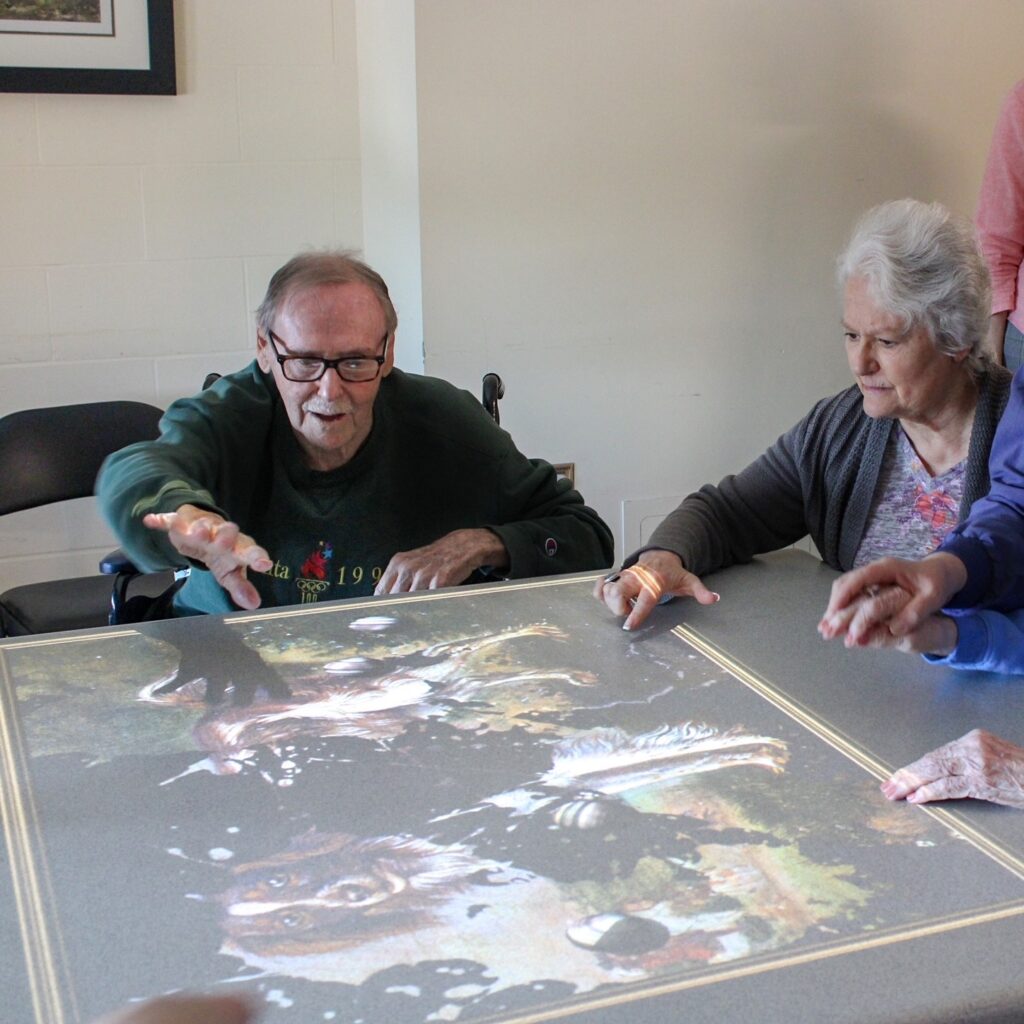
1000, 222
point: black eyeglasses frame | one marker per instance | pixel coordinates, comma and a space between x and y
327, 364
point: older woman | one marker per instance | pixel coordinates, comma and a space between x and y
887, 466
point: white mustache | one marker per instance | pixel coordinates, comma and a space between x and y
324, 408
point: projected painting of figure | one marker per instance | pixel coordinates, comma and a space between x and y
489, 805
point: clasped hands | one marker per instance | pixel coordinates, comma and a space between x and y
896, 603
205, 537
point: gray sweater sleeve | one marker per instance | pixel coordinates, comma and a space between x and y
759, 509
819, 478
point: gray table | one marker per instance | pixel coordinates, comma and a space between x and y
492, 804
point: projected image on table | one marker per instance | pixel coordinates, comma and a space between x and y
451, 809
597, 860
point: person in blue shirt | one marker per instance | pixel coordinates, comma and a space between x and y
962, 606
980, 565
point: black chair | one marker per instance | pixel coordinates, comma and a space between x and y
51, 455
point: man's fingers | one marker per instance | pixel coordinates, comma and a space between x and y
426, 568
241, 547
159, 520
242, 592
385, 582
395, 579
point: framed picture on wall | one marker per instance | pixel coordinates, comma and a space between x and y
89, 46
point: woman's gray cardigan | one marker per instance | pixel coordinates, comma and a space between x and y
818, 478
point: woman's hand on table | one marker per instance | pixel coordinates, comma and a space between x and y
636, 591
979, 765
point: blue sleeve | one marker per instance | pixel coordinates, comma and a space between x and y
990, 542
987, 642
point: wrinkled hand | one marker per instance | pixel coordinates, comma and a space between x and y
184, 1010
636, 591
928, 585
447, 562
978, 765
937, 634
228, 553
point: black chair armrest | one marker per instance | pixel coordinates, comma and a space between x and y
117, 562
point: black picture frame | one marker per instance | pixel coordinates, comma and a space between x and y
159, 79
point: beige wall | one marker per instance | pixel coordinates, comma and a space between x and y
139, 232
629, 209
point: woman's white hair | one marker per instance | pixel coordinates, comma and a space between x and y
922, 265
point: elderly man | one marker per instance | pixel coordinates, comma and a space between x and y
320, 471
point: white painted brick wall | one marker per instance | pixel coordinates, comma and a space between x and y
139, 231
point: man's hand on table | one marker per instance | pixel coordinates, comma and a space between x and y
184, 1010
446, 562
218, 544
978, 765
890, 595
636, 591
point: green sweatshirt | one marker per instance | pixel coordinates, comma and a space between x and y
434, 462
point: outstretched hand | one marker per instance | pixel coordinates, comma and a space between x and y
447, 562
978, 765
218, 544
636, 591
891, 595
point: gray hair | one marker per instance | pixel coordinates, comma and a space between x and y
922, 265
313, 269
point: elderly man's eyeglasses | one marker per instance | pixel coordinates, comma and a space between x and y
306, 369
